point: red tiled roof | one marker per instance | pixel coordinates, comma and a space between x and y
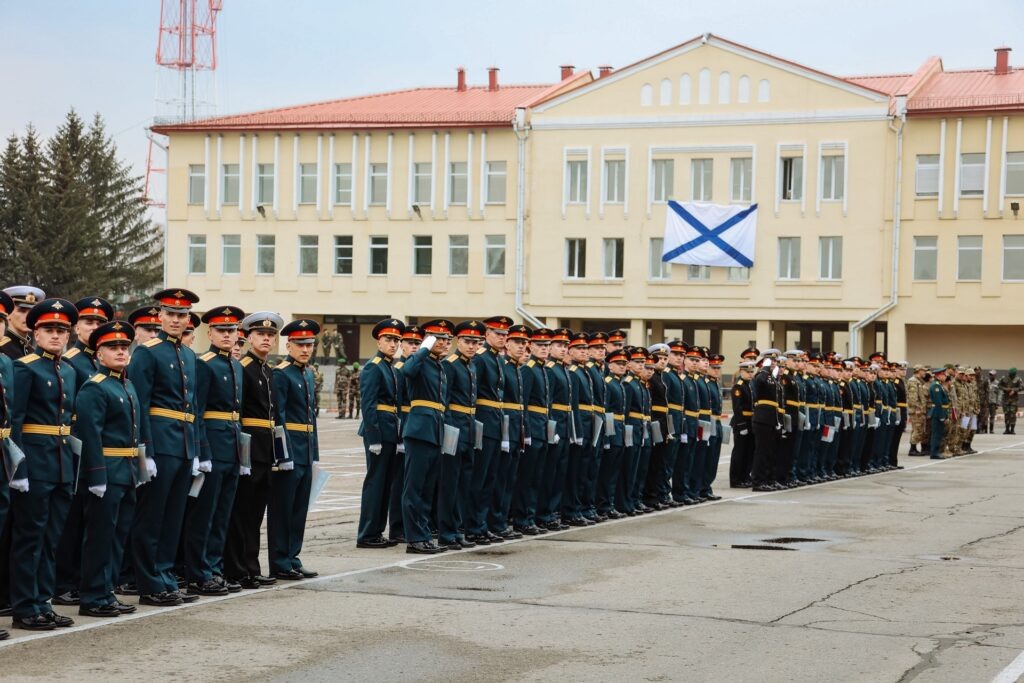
415, 108
889, 84
975, 90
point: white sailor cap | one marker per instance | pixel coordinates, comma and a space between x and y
25, 296
262, 320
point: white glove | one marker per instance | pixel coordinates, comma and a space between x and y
195, 466
401, 448
505, 446
607, 446
375, 448
20, 485
98, 490
286, 465
557, 438
579, 441
205, 466
683, 438
428, 342
528, 441
151, 467
744, 432
244, 471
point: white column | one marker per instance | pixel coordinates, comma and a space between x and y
846, 176
366, 174
208, 174
319, 174
447, 156
625, 188
942, 165
295, 174
988, 156
433, 171
355, 160
277, 175
387, 199
330, 176
483, 173
220, 198
469, 175
1002, 165
241, 175
254, 188
956, 168
412, 175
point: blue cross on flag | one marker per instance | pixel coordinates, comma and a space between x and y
710, 234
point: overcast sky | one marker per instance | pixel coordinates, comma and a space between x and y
98, 55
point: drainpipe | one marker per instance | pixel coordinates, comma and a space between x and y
522, 132
855, 328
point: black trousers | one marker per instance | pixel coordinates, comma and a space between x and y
742, 458
242, 550
765, 453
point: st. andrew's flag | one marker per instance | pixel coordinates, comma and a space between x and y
710, 234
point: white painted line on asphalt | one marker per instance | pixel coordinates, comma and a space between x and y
1012, 672
15, 640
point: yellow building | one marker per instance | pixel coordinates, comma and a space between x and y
548, 203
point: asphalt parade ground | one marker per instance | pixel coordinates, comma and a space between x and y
907, 575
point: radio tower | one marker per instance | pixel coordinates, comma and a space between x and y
186, 57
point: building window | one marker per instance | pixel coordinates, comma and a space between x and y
724, 87
968, 257
496, 173
833, 172
743, 90
343, 254
927, 175
343, 183
926, 252
231, 254
494, 254
1015, 174
422, 183
265, 246
1013, 257
972, 175
789, 258
379, 255
700, 174
264, 183
742, 172
307, 183
575, 258
196, 183
613, 261
830, 258
764, 90
737, 274
197, 254
422, 254
656, 268
665, 96
694, 272
614, 181
458, 254
457, 183
309, 250
663, 171
229, 184
704, 86
576, 179
792, 178
378, 184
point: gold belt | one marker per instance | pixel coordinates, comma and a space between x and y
620, 418
560, 407
172, 414
484, 402
901, 405
633, 415
406, 409
796, 404
220, 415
512, 406
112, 452
385, 408
454, 407
705, 411
298, 427
659, 409
257, 422
748, 413
675, 406
692, 413
47, 430
766, 402
537, 409
429, 404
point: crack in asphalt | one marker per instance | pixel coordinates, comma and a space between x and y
845, 588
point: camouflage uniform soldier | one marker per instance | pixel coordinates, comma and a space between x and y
342, 381
952, 438
993, 401
927, 382
354, 394
972, 407
917, 398
1009, 391
318, 385
982, 387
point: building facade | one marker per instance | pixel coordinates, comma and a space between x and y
548, 203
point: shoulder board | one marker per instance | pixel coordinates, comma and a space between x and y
399, 364
207, 356
72, 353
739, 381
153, 342
590, 363
573, 368
530, 363
245, 361
608, 379
628, 379
30, 358
4, 340
282, 365
452, 358
376, 359
98, 377
550, 364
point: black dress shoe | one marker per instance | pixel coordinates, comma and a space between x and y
374, 543
527, 530
396, 540
6, 611
266, 580
124, 608
188, 597
422, 548
233, 586
646, 509
307, 573
126, 589
494, 538
601, 518
4, 635
99, 611
764, 487
207, 588
454, 545
182, 581
714, 496
466, 543
36, 622
510, 533
290, 575
249, 583
479, 539
160, 599
58, 620
69, 598
577, 522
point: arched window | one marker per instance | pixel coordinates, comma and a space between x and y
704, 86
743, 90
724, 87
764, 90
646, 95
665, 96
685, 88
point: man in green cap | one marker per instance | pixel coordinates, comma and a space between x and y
1010, 388
354, 394
342, 380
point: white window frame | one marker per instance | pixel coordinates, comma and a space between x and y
1014, 249
417, 248
452, 188
977, 167
495, 179
737, 274
617, 245
786, 150
377, 245
745, 179
614, 190
922, 169
305, 248
578, 187
828, 159
375, 174
452, 249
491, 244
657, 270
224, 176
261, 177
1014, 168
576, 154
575, 246
339, 175
305, 178
197, 172
617, 153
919, 250
705, 183
962, 250
196, 244
418, 174
697, 273
338, 258
787, 274
263, 246
224, 248
827, 262
669, 191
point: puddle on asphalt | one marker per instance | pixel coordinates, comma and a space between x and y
742, 546
793, 539
800, 540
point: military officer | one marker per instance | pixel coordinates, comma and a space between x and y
219, 406
702, 451
657, 484
242, 549
713, 377
93, 311
916, 391
146, 321
188, 337
515, 391
6, 403
684, 489
455, 471
939, 412
423, 433
596, 351
43, 484
615, 341
107, 422
17, 340
615, 429
295, 407
672, 377
765, 421
342, 379
582, 449
899, 387
537, 392
646, 371
1010, 387
164, 374
743, 438
635, 432
553, 474
381, 432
